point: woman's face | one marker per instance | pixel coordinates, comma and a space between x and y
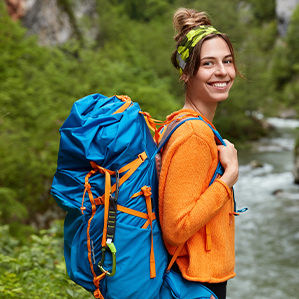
216, 72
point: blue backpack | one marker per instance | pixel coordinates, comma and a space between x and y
106, 180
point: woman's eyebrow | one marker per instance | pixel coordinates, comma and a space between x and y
211, 57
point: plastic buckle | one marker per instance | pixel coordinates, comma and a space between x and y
142, 156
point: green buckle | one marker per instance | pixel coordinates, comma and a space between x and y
112, 249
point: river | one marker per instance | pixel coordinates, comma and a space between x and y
267, 235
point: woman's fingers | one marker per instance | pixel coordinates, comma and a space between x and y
228, 157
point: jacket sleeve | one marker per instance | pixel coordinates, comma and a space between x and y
189, 203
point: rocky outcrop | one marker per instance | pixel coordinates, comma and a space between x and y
15, 8
56, 21
284, 10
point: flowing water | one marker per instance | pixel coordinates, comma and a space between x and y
267, 235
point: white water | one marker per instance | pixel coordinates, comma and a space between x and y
267, 236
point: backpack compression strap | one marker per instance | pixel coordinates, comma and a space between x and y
127, 102
107, 173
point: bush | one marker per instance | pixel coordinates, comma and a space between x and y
36, 269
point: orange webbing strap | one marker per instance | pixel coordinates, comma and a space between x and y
129, 169
88, 189
93, 211
153, 123
123, 98
137, 214
107, 172
147, 223
174, 257
140, 214
153, 128
106, 195
147, 194
208, 237
146, 191
96, 281
127, 102
106, 206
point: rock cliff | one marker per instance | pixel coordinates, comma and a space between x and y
55, 21
284, 10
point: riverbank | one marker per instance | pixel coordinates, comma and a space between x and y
267, 238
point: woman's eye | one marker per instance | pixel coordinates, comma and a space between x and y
207, 63
228, 61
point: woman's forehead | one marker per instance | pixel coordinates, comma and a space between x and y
214, 47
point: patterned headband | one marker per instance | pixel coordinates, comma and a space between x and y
189, 42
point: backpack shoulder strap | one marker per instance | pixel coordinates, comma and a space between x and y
219, 170
177, 123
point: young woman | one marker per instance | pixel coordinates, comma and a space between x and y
191, 211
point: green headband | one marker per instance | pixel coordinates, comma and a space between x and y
189, 42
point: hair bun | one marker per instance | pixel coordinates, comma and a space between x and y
185, 19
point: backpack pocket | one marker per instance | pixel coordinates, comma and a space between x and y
132, 276
175, 287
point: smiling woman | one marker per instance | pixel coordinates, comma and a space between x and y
196, 212
213, 80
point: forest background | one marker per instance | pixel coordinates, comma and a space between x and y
131, 55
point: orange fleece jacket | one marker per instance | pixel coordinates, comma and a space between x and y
187, 203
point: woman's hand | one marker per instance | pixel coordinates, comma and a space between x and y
229, 160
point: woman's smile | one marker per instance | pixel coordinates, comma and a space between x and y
219, 85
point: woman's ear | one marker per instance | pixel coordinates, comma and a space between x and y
185, 78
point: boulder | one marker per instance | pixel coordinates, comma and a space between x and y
288, 114
256, 164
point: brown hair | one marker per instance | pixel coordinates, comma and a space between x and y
184, 20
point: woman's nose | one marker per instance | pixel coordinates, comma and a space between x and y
221, 70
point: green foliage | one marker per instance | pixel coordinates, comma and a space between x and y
281, 67
292, 40
263, 10
28, 117
146, 10
36, 269
285, 66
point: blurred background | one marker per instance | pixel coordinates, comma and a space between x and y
53, 52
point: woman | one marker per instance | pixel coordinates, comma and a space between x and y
188, 205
